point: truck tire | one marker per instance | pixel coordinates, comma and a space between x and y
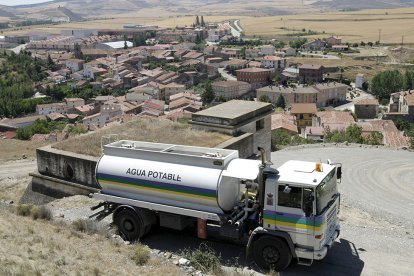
130, 225
271, 253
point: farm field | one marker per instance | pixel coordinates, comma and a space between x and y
351, 26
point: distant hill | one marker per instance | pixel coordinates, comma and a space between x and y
77, 9
363, 4
6, 11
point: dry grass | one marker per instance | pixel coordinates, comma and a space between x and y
14, 149
29, 247
141, 254
150, 130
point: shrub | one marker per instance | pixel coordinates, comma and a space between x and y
24, 210
87, 226
204, 258
45, 213
141, 254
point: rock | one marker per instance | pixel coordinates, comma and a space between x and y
9, 202
127, 242
198, 273
168, 255
24, 156
183, 262
175, 262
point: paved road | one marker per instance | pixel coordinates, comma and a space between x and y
377, 229
19, 48
237, 24
226, 75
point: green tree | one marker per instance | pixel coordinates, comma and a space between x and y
281, 102
277, 79
23, 133
409, 80
202, 21
125, 45
197, 22
208, 95
264, 98
387, 82
243, 52
374, 138
78, 51
280, 138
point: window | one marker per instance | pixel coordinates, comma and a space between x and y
292, 199
301, 116
259, 124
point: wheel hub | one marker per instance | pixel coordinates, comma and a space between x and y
271, 254
128, 226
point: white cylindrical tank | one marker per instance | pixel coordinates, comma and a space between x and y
187, 186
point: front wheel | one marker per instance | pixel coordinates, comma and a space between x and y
271, 253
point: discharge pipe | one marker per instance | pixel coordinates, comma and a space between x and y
261, 179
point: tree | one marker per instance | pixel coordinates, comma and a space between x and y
208, 95
277, 78
243, 52
387, 82
197, 23
264, 98
280, 138
202, 21
78, 51
50, 61
362, 43
281, 102
409, 80
125, 45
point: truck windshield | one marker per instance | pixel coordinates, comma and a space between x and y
326, 192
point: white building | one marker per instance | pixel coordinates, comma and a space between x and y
359, 81
273, 62
114, 45
45, 109
267, 50
74, 65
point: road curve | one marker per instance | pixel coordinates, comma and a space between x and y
381, 181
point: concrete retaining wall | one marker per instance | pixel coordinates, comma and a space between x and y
69, 166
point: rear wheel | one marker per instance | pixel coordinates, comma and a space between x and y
130, 225
271, 253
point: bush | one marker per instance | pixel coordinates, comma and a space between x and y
41, 212
24, 210
204, 258
141, 254
87, 226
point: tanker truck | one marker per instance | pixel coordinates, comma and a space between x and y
278, 214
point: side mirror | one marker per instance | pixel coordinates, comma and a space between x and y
308, 199
339, 173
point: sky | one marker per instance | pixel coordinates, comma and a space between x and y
20, 2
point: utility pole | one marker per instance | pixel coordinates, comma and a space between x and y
379, 36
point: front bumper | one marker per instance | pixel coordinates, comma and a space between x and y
303, 253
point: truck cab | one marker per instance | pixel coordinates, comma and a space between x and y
301, 204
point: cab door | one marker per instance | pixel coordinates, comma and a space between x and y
290, 216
